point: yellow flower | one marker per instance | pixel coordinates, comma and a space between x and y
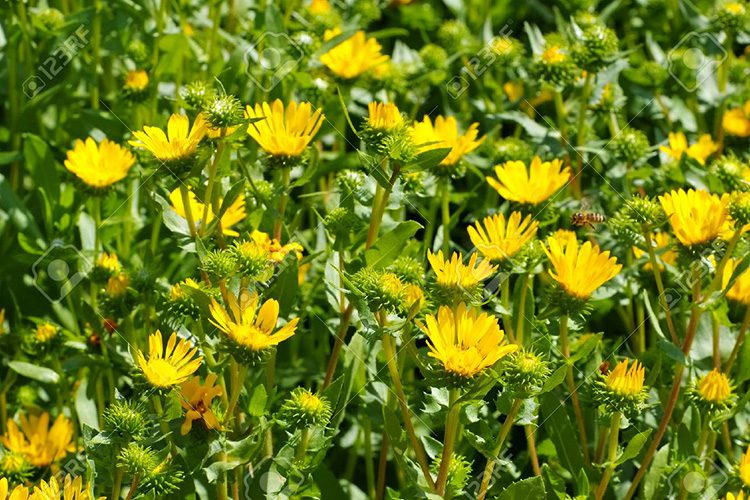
319, 7
215, 133
39, 443
738, 496
736, 121
514, 90
580, 269
626, 381
464, 342
171, 366
533, 186
414, 296
73, 489
99, 166
354, 56
745, 467
108, 261
46, 332
241, 324
553, 54
176, 292
740, 290
444, 134
714, 387
284, 131
454, 273
136, 80
234, 214
695, 216
698, 151
661, 242
565, 235
196, 400
117, 285
497, 240
384, 116
179, 143
275, 249
18, 493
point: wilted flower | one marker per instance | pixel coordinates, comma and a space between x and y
99, 165
168, 367
196, 401
533, 185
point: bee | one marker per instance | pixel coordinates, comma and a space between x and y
580, 219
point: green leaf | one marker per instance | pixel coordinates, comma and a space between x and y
86, 406
671, 350
651, 316
555, 379
34, 372
562, 433
634, 447
258, 401
429, 159
583, 484
532, 487
391, 244
582, 350
38, 159
553, 483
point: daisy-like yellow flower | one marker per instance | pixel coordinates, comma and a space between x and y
117, 285
414, 296
250, 331
180, 141
319, 7
177, 292
738, 496
275, 249
108, 261
283, 131
99, 165
445, 134
744, 467
662, 244
497, 240
699, 151
580, 270
384, 116
45, 332
736, 121
626, 381
454, 273
695, 216
233, 215
463, 341
740, 290
73, 488
196, 401
714, 387
354, 56
39, 443
533, 185
168, 367
18, 493
136, 80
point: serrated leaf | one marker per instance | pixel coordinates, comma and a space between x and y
532, 487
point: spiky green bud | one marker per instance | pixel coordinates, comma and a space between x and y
408, 269
631, 145
731, 15
125, 421
524, 373
50, 19
512, 149
459, 473
381, 290
554, 65
595, 48
197, 95
731, 172
137, 459
305, 409
224, 111
739, 208
137, 51
219, 264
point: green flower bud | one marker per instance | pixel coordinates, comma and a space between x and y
512, 149
731, 16
137, 51
731, 171
434, 57
381, 290
420, 16
50, 19
163, 480
739, 208
408, 269
455, 35
595, 48
644, 211
631, 145
224, 111
27, 396
125, 421
304, 409
252, 259
197, 95
555, 65
219, 264
15, 468
367, 10
137, 459
524, 373
351, 184
342, 221
509, 50
459, 473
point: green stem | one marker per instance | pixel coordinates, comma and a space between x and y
451, 429
738, 342
133, 486
185, 194
572, 388
96, 44
207, 202
659, 283
614, 432
303, 443
522, 309
504, 431
283, 200
446, 212
505, 300
531, 442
